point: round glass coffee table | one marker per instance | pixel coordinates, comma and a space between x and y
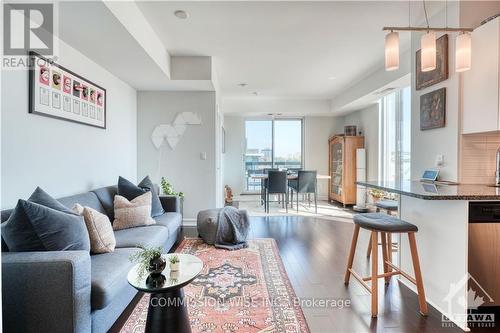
167, 311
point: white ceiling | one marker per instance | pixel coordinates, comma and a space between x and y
281, 49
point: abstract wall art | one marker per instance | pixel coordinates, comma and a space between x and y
171, 133
433, 109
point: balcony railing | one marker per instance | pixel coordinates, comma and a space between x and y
252, 168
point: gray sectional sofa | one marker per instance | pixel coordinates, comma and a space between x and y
73, 291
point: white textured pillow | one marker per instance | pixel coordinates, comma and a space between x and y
134, 213
101, 235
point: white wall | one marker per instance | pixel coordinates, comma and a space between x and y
317, 130
367, 121
234, 165
427, 144
182, 166
259, 106
62, 157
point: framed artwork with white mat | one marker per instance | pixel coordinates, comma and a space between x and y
57, 92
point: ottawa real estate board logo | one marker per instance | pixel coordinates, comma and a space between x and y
469, 294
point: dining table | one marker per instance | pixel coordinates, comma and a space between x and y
291, 176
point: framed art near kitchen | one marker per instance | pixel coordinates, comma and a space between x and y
427, 79
57, 92
433, 109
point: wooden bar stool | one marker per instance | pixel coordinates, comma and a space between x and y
389, 206
384, 224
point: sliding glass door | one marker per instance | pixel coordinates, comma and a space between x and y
271, 143
395, 136
287, 143
258, 152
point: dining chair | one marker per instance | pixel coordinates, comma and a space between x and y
306, 183
277, 183
293, 171
263, 186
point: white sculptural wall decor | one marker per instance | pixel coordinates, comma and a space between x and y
173, 132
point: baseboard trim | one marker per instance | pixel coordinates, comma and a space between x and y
189, 222
412, 287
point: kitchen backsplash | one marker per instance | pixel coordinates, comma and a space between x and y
478, 156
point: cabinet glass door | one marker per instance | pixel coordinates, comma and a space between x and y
336, 167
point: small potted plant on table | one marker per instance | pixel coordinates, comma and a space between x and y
149, 260
174, 263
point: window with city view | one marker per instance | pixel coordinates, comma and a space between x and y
271, 144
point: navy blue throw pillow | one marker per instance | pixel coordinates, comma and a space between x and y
41, 197
130, 191
33, 227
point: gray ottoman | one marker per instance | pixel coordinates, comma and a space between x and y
207, 224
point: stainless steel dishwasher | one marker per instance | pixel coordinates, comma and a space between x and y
484, 248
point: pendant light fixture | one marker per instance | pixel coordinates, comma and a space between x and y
428, 47
463, 52
392, 51
428, 58
428, 53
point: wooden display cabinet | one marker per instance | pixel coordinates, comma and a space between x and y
342, 168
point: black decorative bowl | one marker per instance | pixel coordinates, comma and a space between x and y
156, 266
156, 281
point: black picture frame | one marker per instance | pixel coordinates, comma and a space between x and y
32, 86
433, 110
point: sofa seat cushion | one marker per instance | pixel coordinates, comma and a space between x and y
109, 276
171, 220
147, 236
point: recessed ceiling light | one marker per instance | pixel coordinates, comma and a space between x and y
243, 85
331, 78
181, 14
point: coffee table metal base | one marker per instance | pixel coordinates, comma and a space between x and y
167, 313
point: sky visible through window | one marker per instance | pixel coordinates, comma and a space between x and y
288, 138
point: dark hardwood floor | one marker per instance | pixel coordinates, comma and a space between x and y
314, 252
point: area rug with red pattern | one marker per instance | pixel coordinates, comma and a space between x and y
245, 290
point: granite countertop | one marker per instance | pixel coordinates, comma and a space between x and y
429, 191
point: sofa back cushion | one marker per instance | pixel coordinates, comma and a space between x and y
106, 196
88, 199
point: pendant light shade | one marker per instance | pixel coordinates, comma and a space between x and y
463, 52
392, 51
428, 53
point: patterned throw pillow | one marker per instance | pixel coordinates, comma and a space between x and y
133, 213
130, 191
102, 237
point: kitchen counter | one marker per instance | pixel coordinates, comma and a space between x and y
441, 213
430, 191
